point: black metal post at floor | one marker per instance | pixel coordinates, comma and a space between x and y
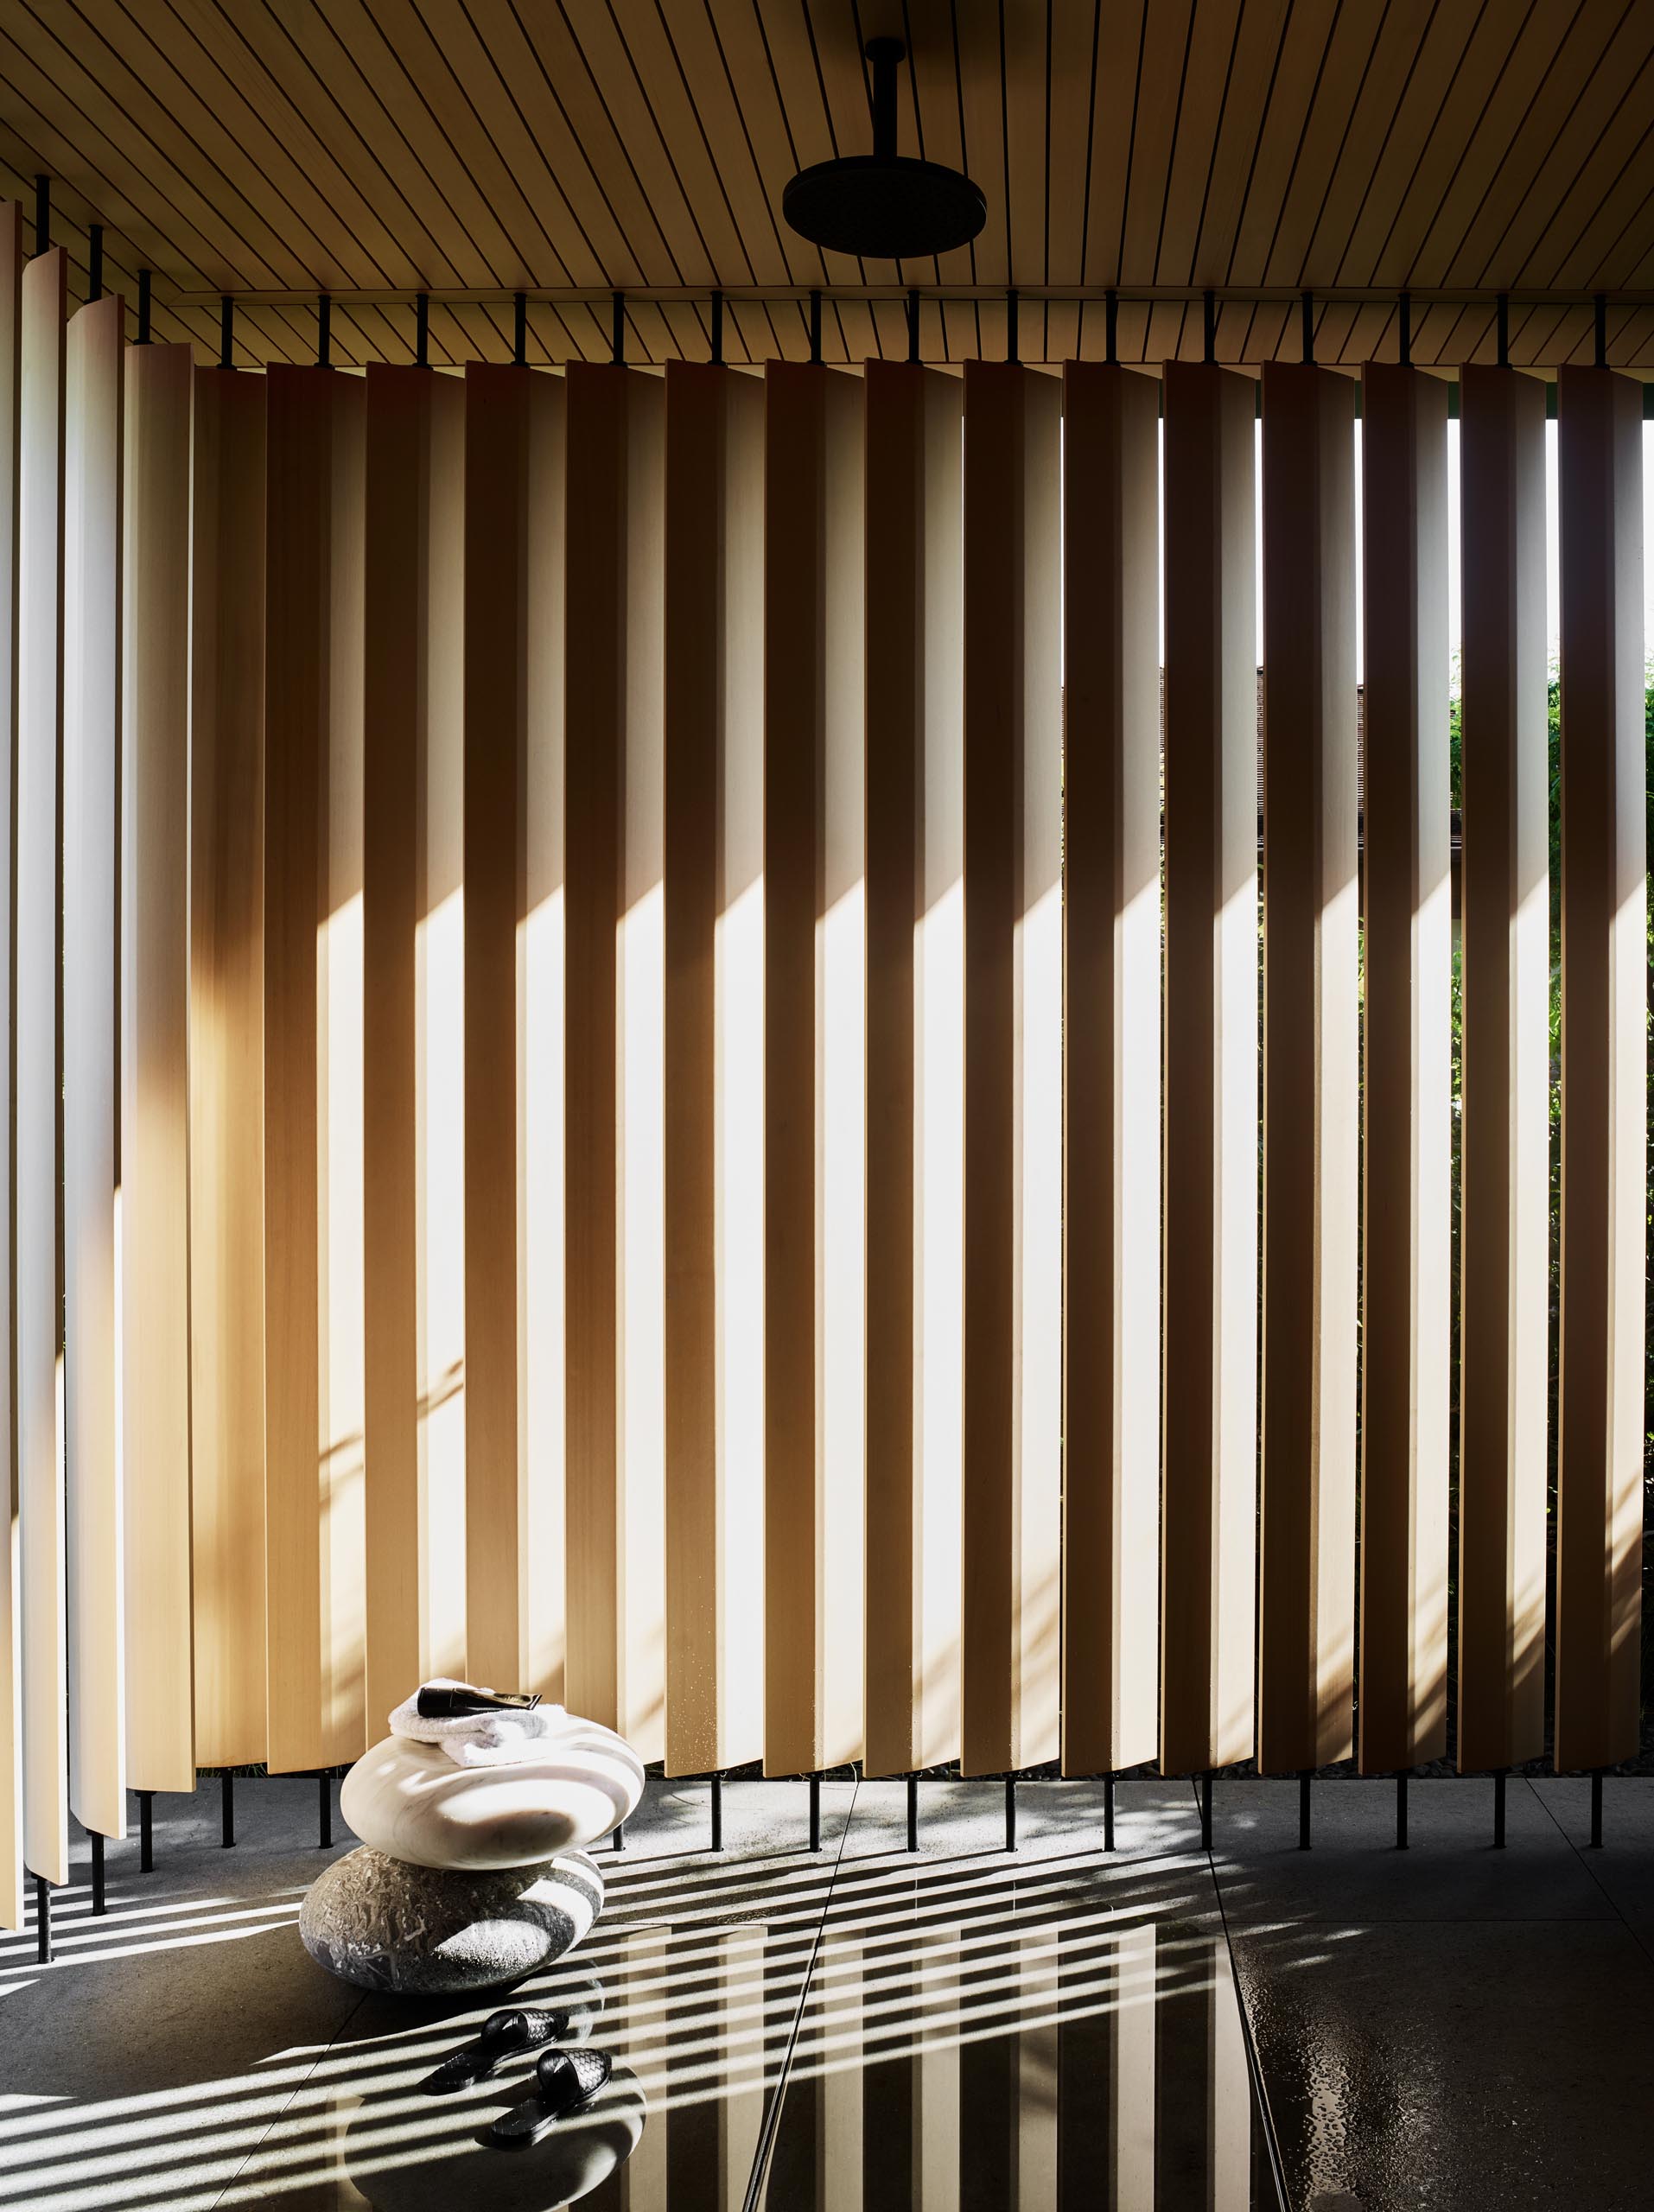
1108, 1813
143, 307
325, 1807
912, 1812
226, 332
228, 1788
815, 1812
1401, 1812
618, 1840
146, 1831
1205, 1810
1010, 1812
717, 1812
1596, 1811
99, 1903
1498, 1809
44, 1920
1303, 1809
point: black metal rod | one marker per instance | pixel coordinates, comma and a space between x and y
1404, 329
324, 331
94, 262
1502, 329
883, 54
1600, 308
617, 331
618, 1840
1596, 1812
227, 1792
815, 1812
1108, 1813
1303, 1809
143, 307
717, 329
1498, 1810
1112, 327
1010, 1812
226, 332
815, 327
146, 1831
912, 325
325, 1810
422, 330
912, 1812
1205, 1810
520, 330
717, 1812
1211, 308
1309, 327
43, 1919
99, 1900
43, 214
1401, 1812
1013, 349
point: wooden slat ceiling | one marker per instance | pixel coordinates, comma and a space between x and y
372, 149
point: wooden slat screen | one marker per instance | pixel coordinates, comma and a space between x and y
691, 1124
11, 1722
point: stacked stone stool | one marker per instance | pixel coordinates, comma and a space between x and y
468, 1877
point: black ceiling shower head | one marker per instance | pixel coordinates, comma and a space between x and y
882, 206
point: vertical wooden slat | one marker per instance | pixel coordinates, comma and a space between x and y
915, 859
1013, 1066
1210, 1385
514, 1419
613, 494
1407, 958
227, 1090
36, 1267
413, 1039
154, 1290
814, 1152
1505, 1121
1310, 1093
313, 1101
1600, 1411
1111, 985
11, 1733
92, 714
714, 1068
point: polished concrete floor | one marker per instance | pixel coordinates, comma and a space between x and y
860, 2028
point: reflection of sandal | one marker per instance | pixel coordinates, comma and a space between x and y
563, 2080
501, 2034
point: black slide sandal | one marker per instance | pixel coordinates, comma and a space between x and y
501, 2035
563, 2080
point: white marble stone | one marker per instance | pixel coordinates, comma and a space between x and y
411, 1802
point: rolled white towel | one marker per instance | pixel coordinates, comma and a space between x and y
502, 1738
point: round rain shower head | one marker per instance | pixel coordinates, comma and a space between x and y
882, 205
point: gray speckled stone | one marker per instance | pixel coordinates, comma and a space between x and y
381, 1924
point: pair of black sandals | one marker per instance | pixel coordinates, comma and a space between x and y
565, 2081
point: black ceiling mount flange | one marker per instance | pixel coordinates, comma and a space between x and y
883, 205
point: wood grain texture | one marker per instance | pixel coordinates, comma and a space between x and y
12, 1730
615, 491
94, 1506
1013, 1068
313, 1099
1111, 1098
1310, 1073
814, 1088
226, 1054
37, 1282
713, 1069
914, 860
1600, 1397
1505, 1232
1405, 1315
413, 1038
514, 1426
1209, 1383
154, 1290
